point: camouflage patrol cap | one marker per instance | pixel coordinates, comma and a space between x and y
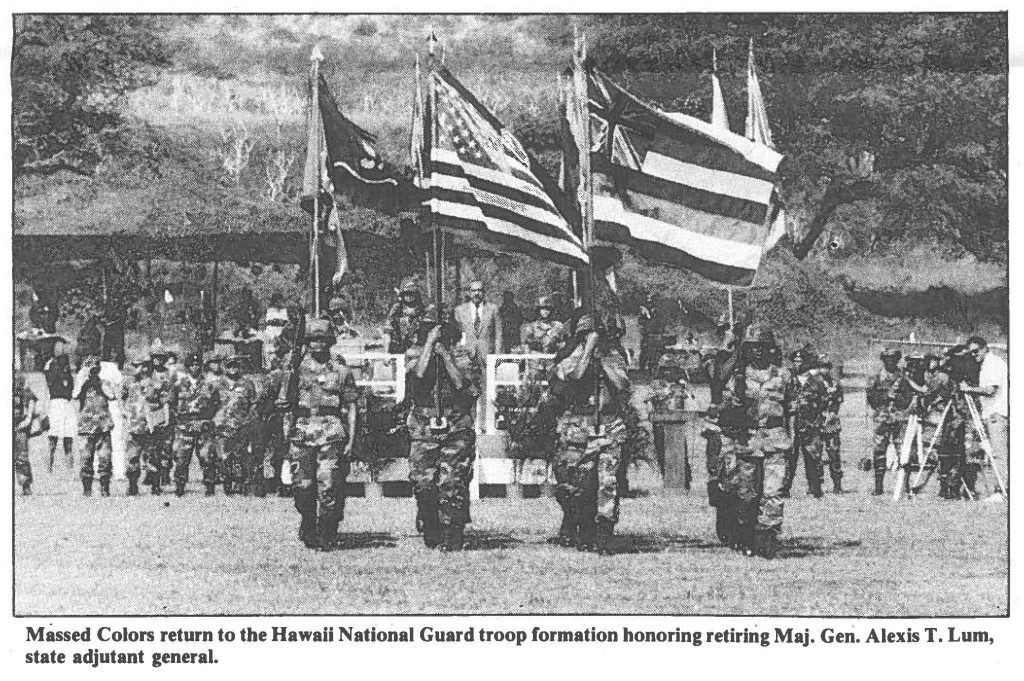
891, 352
319, 329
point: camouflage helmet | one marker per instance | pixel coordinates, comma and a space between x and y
336, 304
319, 329
409, 286
891, 352
757, 333
157, 349
135, 358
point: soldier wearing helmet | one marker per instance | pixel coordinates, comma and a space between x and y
442, 442
196, 401
589, 446
889, 396
756, 404
158, 414
809, 395
403, 320
237, 398
133, 397
324, 415
831, 426
544, 334
652, 327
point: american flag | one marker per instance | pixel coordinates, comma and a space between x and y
482, 184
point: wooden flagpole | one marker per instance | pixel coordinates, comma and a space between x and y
438, 236
315, 58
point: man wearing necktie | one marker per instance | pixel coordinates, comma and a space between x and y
480, 325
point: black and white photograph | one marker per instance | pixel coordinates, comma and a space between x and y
683, 314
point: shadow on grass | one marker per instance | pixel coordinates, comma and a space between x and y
486, 541
801, 547
366, 540
659, 543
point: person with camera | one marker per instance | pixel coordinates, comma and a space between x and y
589, 453
443, 385
991, 393
324, 418
196, 403
94, 427
809, 396
889, 397
754, 415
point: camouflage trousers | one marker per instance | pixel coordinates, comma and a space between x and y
96, 448
235, 459
156, 456
809, 445
887, 431
318, 480
268, 450
586, 463
22, 463
195, 439
831, 442
442, 463
754, 474
712, 449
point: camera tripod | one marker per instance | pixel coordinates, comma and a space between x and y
928, 461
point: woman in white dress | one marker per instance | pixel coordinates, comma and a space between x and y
61, 413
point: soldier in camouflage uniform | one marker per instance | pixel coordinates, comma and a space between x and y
94, 427
809, 393
754, 445
545, 333
588, 456
718, 366
138, 440
403, 321
268, 443
160, 417
196, 403
831, 426
442, 445
889, 396
24, 403
237, 398
321, 440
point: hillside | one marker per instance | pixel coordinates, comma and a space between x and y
218, 120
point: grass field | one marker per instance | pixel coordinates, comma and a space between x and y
850, 554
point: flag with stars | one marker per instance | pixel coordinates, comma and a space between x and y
483, 186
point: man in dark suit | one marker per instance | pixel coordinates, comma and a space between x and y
480, 324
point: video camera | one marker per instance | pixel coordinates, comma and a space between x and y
961, 366
916, 366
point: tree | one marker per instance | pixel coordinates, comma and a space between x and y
70, 75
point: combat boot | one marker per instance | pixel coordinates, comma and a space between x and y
307, 531
133, 486
587, 537
87, 488
452, 537
714, 494
568, 529
607, 544
725, 521
766, 543
104, 488
879, 483
26, 489
427, 518
327, 535
837, 486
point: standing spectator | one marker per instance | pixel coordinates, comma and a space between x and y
24, 411
60, 382
545, 334
652, 327
404, 319
480, 324
511, 320
94, 426
992, 391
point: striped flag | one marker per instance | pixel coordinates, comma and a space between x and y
702, 198
482, 185
758, 130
